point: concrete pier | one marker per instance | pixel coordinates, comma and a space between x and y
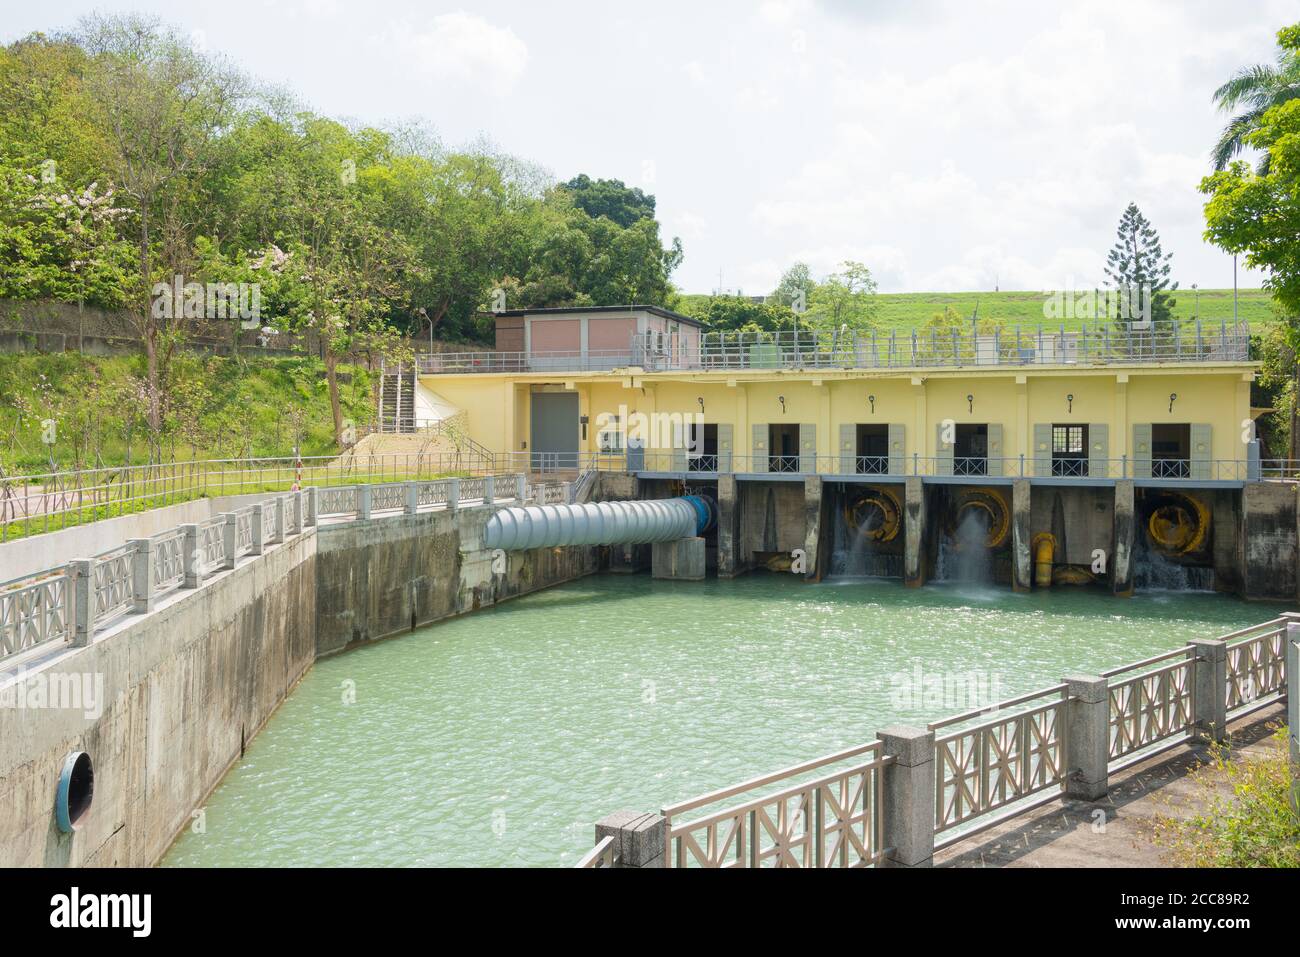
682, 560
1022, 559
1269, 534
813, 502
1120, 558
731, 556
914, 532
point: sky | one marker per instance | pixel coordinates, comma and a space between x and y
950, 146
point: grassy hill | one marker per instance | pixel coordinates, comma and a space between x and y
224, 408
908, 310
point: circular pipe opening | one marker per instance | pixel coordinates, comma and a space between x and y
76, 790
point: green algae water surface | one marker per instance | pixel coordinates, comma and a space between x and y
500, 737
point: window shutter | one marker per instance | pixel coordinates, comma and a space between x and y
1201, 452
1042, 449
897, 448
848, 448
808, 447
759, 451
725, 442
942, 452
1099, 450
997, 451
1141, 456
679, 447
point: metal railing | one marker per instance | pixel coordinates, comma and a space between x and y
985, 766
990, 763
51, 501
1256, 667
685, 462
35, 610
69, 603
1153, 706
1107, 343
832, 820
604, 854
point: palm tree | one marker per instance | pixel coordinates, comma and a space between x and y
1257, 88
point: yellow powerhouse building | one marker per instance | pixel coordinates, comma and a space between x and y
1121, 455
649, 389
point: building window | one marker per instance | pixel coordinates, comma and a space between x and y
1067, 439
1070, 451
609, 440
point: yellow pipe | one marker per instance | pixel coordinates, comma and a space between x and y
1044, 545
883, 500
1180, 524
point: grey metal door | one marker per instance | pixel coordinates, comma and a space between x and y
554, 431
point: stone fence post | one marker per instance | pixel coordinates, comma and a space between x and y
489, 489
229, 539
141, 574
453, 494
412, 497
190, 556
908, 796
363, 502
81, 600
1210, 688
1087, 741
638, 838
521, 487
258, 524
297, 512
312, 505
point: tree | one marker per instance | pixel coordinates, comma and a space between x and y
739, 313
844, 299
1257, 214
1138, 269
161, 105
1257, 89
796, 286
61, 244
624, 205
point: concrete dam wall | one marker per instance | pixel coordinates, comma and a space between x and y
174, 696
170, 701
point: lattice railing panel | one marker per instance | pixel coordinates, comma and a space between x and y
1256, 668
111, 583
168, 560
996, 763
1151, 707
34, 613
833, 821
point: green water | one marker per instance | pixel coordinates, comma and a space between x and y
500, 737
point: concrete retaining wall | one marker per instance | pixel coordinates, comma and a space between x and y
382, 578
183, 690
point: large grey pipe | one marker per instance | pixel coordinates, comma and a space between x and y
599, 523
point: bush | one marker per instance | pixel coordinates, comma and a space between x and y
1256, 826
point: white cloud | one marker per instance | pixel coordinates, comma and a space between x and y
463, 49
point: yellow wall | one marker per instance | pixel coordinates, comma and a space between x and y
498, 405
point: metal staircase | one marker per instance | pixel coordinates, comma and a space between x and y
397, 400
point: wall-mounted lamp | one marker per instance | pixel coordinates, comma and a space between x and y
1069, 402
970, 402
700, 400
781, 399
1172, 397
583, 419
872, 400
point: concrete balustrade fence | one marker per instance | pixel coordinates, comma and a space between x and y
68, 603
896, 801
